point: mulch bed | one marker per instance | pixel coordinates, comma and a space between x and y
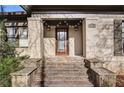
120, 80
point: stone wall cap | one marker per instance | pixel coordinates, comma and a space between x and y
33, 60
95, 60
34, 19
103, 71
25, 71
92, 18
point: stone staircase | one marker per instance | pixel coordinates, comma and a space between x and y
65, 72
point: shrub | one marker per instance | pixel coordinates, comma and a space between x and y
9, 64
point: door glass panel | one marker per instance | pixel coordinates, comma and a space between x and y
61, 46
61, 41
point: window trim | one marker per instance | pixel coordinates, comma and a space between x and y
122, 38
17, 38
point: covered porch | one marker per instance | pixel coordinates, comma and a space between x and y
63, 37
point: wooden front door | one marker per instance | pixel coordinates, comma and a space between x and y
61, 41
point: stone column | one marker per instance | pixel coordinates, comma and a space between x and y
84, 36
91, 36
35, 29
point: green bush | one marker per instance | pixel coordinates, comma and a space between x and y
8, 65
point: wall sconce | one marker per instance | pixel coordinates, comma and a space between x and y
67, 24
80, 21
60, 23
48, 28
57, 25
76, 27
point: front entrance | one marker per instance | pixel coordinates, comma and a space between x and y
62, 41
63, 37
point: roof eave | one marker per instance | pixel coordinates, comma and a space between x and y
26, 9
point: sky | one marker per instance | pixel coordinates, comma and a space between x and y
11, 8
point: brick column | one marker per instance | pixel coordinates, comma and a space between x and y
35, 29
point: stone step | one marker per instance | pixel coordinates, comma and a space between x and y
37, 78
67, 73
65, 65
64, 69
65, 85
76, 73
64, 59
69, 85
65, 78
85, 83
55, 64
36, 83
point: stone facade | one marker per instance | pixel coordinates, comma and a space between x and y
30, 76
98, 38
35, 30
102, 77
23, 78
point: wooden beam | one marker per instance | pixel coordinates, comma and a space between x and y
80, 8
26, 8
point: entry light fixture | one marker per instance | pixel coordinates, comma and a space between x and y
48, 28
67, 24
57, 25
60, 22
76, 27
80, 21
75, 24
65, 21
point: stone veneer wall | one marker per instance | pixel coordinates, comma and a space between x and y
35, 30
30, 75
24, 77
99, 37
102, 40
100, 43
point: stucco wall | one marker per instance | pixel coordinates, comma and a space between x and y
49, 47
77, 36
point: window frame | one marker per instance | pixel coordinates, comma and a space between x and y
18, 36
122, 38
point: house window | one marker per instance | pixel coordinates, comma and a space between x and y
11, 35
23, 37
123, 37
18, 36
118, 37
